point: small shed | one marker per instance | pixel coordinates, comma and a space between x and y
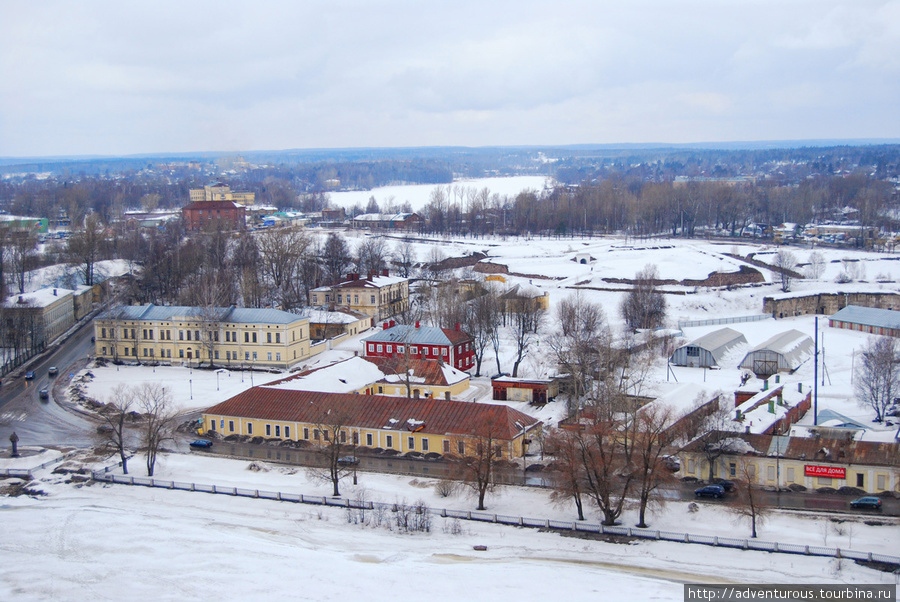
782, 353
532, 390
708, 350
873, 320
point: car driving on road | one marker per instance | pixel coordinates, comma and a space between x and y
870, 502
716, 491
44, 393
201, 444
29, 375
53, 371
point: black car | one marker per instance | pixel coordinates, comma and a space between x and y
29, 375
725, 484
201, 443
348, 460
52, 371
716, 491
870, 501
44, 393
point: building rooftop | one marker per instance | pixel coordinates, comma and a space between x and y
869, 316
171, 313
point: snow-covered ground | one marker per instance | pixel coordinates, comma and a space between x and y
117, 541
418, 195
121, 542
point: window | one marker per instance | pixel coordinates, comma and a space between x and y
340, 298
860, 480
212, 424
389, 441
254, 337
228, 355
693, 351
371, 347
306, 433
732, 469
249, 428
268, 430
103, 333
277, 357
181, 353
269, 356
247, 356
246, 337
461, 447
278, 430
446, 446
390, 348
287, 432
231, 426
424, 444
254, 356
372, 299
315, 434
415, 350
379, 348
343, 436
227, 337
690, 467
444, 351
145, 352
426, 351
880, 480
180, 335
369, 439
824, 481
268, 337
145, 333
770, 473
196, 335
277, 337
790, 475
168, 353
103, 351
498, 451
189, 335
356, 299
151, 334
355, 437
380, 389
325, 434
399, 348
411, 443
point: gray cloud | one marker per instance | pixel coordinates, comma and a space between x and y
114, 77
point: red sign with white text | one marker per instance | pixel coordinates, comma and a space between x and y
833, 472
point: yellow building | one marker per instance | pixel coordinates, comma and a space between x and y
380, 296
782, 461
229, 337
372, 421
34, 320
217, 191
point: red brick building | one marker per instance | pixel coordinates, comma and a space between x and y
453, 347
228, 215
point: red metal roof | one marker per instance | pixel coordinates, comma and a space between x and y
374, 411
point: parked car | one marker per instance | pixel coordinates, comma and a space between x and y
29, 375
348, 460
202, 443
870, 501
725, 484
52, 371
44, 393
716, 491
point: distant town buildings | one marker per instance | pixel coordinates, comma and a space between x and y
217, 191
225, 215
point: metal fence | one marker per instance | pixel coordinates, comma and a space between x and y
732, 320
28, 473
519, 521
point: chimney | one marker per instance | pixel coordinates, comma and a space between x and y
384, 326
417, 323
22, 300
393, 323
385, 273
54, 292
800, 387
416, 394
457, 327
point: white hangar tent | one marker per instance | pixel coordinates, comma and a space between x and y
708, 350
782, 353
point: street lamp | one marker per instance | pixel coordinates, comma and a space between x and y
191, 385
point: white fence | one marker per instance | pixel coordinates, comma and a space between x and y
732, 320
28, 473
519, 521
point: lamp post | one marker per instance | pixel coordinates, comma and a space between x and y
191, 385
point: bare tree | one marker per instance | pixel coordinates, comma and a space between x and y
652, 438
784, 263
335, 443
404, 257
155, 403
482, 319
477, 456
371, 255
335, 258
569, 477
749, 503
281, 252
718, 430
85, 245
876, 378
118, 413
644, 306
526, 323
22, 250
816, 266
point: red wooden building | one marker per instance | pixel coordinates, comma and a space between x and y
453, 347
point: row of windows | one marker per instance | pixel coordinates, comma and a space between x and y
188, 335
790, 475
413, 349
314, 434
149, 352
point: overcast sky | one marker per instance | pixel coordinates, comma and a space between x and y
154, 76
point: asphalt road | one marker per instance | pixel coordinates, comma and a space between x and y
46, 422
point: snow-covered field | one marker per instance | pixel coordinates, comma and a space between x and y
122, 542
418, 195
